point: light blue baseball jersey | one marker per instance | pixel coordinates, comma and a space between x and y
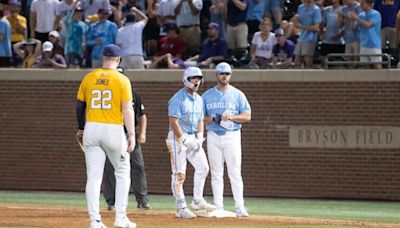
187, 108
309, 16
217, 102
371, 37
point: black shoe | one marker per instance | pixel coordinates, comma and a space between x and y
144, 206
111, 208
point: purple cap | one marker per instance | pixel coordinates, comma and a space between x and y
112, 50
213, 25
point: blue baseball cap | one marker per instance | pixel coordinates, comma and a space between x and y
112, 50
223, 68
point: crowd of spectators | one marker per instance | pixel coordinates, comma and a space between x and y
253, 34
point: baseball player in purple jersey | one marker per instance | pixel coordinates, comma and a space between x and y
184, 142
225, 109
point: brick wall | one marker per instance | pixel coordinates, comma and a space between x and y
38, 149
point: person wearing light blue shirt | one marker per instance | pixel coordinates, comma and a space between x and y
331, 34
5, 42
369, 22
99, 35
184, 142
307, 19
225, 109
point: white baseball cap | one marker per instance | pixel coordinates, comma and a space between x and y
47, 46
54, 33
223, 68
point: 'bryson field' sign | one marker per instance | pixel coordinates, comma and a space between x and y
344, 136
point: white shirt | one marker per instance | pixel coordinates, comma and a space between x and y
45, 14
264, 48
185, 16
129, 38
166, 8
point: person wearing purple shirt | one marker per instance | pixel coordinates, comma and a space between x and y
214, 48
283, 51
388, 8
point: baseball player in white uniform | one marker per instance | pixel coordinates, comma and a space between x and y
184, 142
225, 109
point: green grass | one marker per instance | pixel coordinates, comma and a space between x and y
371, 211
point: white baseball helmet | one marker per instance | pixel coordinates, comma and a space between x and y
192, 72
223, 68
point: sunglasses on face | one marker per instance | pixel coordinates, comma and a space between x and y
224, 73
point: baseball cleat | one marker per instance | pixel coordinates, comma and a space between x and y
97, 224
202, 205
124, 223
144, 206
241, 212
185, 213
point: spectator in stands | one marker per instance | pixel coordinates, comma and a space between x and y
43, 18
91, 7
28, 50
172, 48
213, 49
99, 35
188, 19
205, 18
351, 33
63, 8
49, 59
255, 14
237, 29
76, 32
54, 38
308, 20
283, 51
218, 14
151, 32
5, 42
262, 45
391, 11
331, 34
369, 22
129, 38
17, 22
165, 14
18, 27
274, 11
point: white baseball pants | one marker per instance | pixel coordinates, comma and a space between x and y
101, 140
225, 148
179, 157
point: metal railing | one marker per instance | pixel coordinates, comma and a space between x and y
331, 60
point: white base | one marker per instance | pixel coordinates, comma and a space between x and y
215, 213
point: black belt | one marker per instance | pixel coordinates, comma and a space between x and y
188, 26
191, 133
235, 24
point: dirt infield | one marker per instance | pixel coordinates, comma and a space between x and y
17, 215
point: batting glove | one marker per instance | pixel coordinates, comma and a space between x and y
191, 144
200, 138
